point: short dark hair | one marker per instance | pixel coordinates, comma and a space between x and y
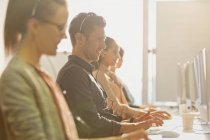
85, 23
108, 42
20, 11
121, 52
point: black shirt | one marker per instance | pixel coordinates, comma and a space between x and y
86, 100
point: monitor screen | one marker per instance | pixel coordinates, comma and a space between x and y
206, 54
196, 65
204, 99
181, 84
190, 82
185, 84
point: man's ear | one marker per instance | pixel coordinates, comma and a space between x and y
79, 37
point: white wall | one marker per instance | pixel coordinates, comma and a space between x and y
183, 28
54, 64
3, 5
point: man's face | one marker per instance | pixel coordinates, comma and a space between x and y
94, 44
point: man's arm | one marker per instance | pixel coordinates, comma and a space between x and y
76, 83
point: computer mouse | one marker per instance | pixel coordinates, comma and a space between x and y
169, 134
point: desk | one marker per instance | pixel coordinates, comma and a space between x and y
175, 124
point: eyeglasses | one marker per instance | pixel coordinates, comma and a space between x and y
83, 21
61, 28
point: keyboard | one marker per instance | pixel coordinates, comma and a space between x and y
201, 128
155, 137
154, 130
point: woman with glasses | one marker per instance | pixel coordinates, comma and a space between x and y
31, 105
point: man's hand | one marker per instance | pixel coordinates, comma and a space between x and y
162, 114
151, 119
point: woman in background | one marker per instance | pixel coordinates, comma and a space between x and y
116, 99
129, 97
114, 87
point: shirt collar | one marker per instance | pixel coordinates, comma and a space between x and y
81, 62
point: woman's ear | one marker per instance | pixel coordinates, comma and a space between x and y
32, 25
103, 53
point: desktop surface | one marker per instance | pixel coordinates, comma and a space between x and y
155, 137
172, 129
164, 133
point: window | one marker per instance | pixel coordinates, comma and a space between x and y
3, 6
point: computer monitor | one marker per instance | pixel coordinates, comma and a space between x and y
196, 70
190, 83
206, 54
204, 99
181, 84
203, 67
184, 84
